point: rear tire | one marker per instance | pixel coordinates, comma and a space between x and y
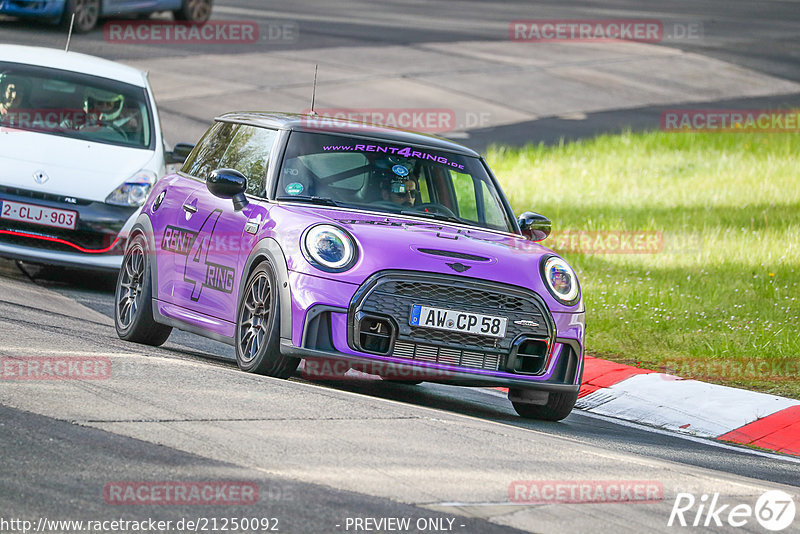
194, 11
87, 13
559, 406
258, 327
133, 298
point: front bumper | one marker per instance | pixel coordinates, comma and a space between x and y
65, 259
98, 240
417, 371
325, 326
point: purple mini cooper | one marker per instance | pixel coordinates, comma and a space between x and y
292, 237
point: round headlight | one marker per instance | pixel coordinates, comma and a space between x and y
329, 248
561, 280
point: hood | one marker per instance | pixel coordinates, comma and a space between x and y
406, 243
73, 167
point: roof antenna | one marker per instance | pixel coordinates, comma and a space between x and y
314, 90
69, 35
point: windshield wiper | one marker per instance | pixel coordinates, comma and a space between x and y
322, 201
432, 215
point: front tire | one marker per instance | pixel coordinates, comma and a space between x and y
87, 13
194, 11
133, 298
559, 406
258, 327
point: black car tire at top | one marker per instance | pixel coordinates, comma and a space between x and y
194, 11
258, 327
559, 405
87, 13
133, 309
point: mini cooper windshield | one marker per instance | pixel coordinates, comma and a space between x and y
384, 176
70, 104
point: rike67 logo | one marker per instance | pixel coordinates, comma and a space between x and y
774, 511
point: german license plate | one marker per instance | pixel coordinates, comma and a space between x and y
30, 213
457, 321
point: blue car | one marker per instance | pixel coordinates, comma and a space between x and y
88, 12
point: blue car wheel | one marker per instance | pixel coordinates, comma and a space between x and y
194, 10
87, 13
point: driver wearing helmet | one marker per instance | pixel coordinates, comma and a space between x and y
105, 109
102, 106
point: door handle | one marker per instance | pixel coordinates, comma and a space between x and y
188, 208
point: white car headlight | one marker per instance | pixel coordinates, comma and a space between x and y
133, 192
329, 248
561, 280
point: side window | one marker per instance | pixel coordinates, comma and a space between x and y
206, 155
248, 153
422, 187
494, 215
464, 187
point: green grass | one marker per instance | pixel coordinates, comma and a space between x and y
720, 301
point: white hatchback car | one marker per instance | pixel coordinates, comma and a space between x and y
80, 148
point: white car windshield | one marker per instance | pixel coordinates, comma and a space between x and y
391, 177
70, 104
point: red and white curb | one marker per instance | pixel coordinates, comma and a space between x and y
690, 406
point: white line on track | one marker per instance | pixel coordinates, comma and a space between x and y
710, 442
20, 352
695, 439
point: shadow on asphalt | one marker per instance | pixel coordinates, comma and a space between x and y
64, 277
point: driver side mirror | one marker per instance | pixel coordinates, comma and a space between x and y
179, 153
534, 226
228, 183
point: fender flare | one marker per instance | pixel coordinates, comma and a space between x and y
145, 227
268, 249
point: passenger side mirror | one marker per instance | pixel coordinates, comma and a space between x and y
179, 153
228, 183
534, 226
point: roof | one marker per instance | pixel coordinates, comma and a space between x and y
72, 61
319, 123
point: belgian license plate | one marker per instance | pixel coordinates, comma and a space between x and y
457, 321
30, 213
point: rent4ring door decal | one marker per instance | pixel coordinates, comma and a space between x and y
195, 246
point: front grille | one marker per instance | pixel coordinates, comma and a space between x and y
39, 195
98, 224
455, 294
392, 294
445, 356
87, 240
